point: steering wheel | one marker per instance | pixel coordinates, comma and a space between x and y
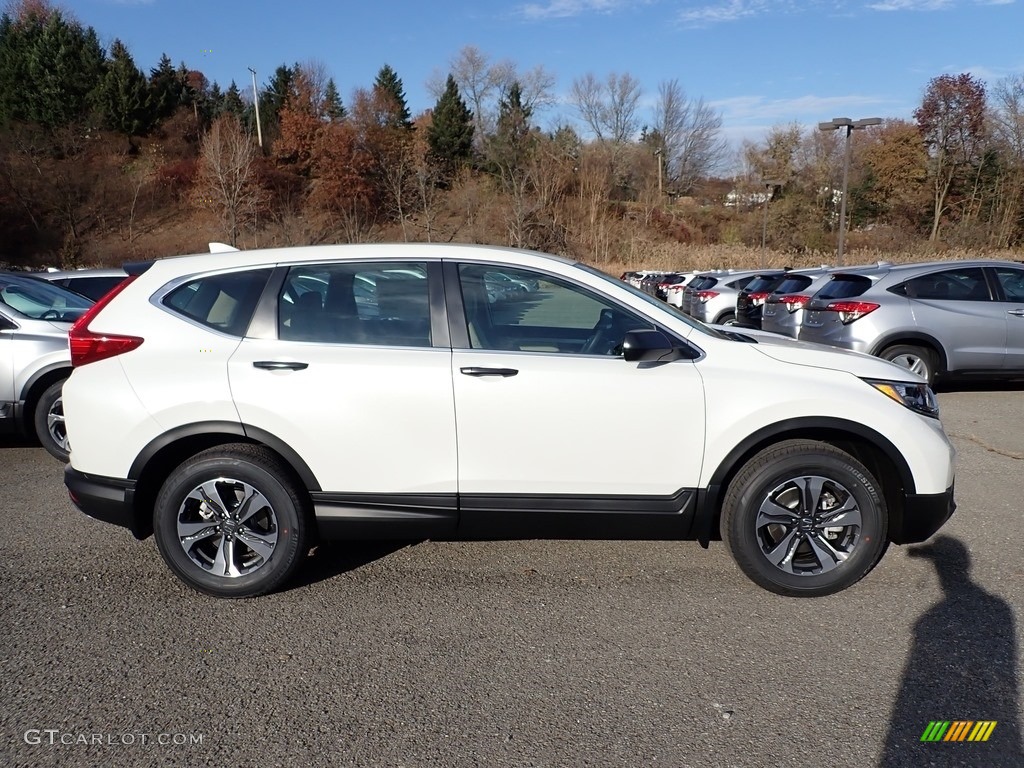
602, 339
51, 314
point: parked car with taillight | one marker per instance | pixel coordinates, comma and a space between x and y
93, 283
936, 318
215, 407
784, 308
714, 302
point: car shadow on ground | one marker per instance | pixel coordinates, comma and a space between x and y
17, 441
961, 669
333, 558
980, 385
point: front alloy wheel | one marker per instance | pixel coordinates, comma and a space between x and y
230, 522
804, 518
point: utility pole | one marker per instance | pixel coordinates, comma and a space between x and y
256, 104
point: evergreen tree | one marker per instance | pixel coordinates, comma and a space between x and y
50, 69
165, 88
272, 99
214, 107
510, 147
450, 135
389, 85
333, 108
233, 101
124, 94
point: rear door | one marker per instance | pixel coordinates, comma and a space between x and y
353, 375
957, 308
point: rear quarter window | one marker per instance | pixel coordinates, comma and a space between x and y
224, 302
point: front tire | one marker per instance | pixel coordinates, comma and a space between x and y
48, 421
805, 519
230, 522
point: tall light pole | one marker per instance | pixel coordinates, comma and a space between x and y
850, 126
256, 104
770, 184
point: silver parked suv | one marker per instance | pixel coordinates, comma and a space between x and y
714, 299
35, 317
951, 317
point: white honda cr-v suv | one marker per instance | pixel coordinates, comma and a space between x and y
241, 406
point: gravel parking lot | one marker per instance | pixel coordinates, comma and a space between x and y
544, 653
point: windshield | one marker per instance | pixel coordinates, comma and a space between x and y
762, 283
41, 300
843, 287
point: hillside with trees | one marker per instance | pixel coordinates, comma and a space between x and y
102, 161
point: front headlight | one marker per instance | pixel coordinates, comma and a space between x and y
916, 397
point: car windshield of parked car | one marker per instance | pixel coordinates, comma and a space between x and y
843, 287
40, 300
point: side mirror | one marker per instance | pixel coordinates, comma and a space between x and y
648, 345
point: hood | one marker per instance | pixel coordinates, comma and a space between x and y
788, 350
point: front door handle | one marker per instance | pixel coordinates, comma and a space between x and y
279, 365
476, 371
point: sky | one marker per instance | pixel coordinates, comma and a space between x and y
760, 64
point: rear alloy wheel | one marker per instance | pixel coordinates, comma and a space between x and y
48, 420
805, 519
229, 522
920, 360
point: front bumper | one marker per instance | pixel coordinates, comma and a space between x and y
108, 499
923, 515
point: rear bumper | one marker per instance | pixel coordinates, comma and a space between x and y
923, 515
108, 499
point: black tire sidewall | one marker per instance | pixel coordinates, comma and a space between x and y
742, 535
291, 529
39, 420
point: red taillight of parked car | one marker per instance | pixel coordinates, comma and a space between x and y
851, 310
88, 347
757, 298
706, 296
793, 303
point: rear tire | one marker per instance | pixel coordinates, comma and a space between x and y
230, 521
804, 519
920, 360
48, 421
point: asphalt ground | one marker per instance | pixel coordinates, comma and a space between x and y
538, 653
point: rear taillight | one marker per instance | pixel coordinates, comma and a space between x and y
757, 297
88, 347
793, 303
706, 296
851, 310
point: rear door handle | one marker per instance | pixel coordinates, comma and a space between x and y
279, 365
1015, 312
476, 371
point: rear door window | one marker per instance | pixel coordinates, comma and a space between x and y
377, 303
1012, 282
963, 284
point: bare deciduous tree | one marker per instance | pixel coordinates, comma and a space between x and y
226, 177
692, 135
608, 108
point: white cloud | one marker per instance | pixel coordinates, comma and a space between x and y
721, 12
560, 9
912, 5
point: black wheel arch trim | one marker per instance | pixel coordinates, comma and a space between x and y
826, 428
46, 372
224, 428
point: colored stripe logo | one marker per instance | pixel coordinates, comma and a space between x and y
958, 730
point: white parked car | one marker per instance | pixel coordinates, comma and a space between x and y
220, 403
